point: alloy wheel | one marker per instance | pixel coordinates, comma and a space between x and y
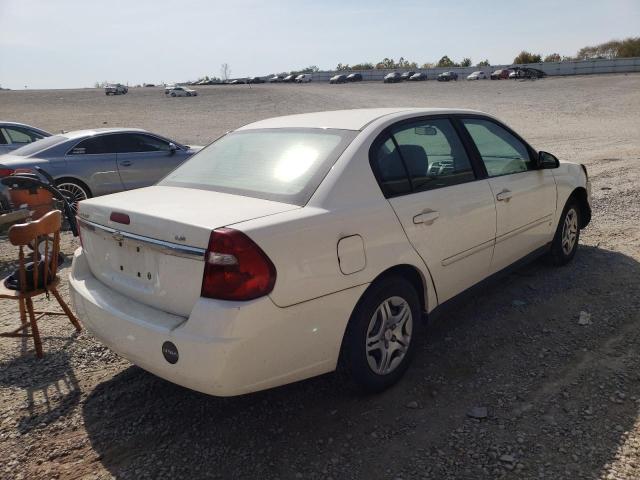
569, 231
389, 335
74, 193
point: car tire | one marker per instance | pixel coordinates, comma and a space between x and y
374, 357
567, 236
173, 94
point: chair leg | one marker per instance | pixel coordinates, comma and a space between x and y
34, 329
66, 309
23, 313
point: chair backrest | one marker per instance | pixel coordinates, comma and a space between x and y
46, 231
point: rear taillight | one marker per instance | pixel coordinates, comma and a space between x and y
119, 217
236, 268
5, 172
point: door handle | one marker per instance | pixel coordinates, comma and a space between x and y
504, 196
126, 163
427, 217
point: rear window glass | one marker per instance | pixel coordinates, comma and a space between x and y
283, 165
39, 145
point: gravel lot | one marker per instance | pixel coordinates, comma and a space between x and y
509, 383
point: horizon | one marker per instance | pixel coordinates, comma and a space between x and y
39, 53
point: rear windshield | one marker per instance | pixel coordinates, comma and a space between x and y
283, 165
39, 145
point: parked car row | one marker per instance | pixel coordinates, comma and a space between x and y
397, 77
341, 78
392, 77
293, 78
88, 163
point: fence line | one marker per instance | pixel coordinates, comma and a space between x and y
577, 67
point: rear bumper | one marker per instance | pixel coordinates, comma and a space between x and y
225, 348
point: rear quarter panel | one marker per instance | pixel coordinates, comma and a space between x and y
303, 243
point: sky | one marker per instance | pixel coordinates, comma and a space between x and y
76, 43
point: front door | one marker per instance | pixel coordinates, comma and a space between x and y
144, 159
525, 196
447, 213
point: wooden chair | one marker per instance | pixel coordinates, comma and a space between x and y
45, 231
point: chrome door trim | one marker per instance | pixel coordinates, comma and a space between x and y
524, 228
165, 247
467, 253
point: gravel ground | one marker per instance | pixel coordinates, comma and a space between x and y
537, 375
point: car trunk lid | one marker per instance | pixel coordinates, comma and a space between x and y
157, 258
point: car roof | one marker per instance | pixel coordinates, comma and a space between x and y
355, 119
96, 131
4, 123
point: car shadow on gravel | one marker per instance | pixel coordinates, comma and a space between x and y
515, 346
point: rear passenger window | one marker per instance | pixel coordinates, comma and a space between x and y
94, 145
420, 156
433, 154
390, 170
20, 135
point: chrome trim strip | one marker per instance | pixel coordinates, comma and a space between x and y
490, 243
168, 248
467, 253
524, 228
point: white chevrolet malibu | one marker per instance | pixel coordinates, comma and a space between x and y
296, 244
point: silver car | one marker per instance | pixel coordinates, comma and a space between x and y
14, 135
88, 163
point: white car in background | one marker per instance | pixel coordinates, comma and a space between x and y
298, 243
303, 78
479, 75
180, 92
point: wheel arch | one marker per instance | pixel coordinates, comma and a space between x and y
579, 194
406, 271
413, 275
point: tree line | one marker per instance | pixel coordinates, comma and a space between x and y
629, 47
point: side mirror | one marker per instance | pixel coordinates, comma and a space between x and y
546, 160
172, 148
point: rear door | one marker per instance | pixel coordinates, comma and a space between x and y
525, 196
144, 159
447, 212
93, 160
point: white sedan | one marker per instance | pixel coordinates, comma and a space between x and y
181, 92
479, 75
303, 78
296, 244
